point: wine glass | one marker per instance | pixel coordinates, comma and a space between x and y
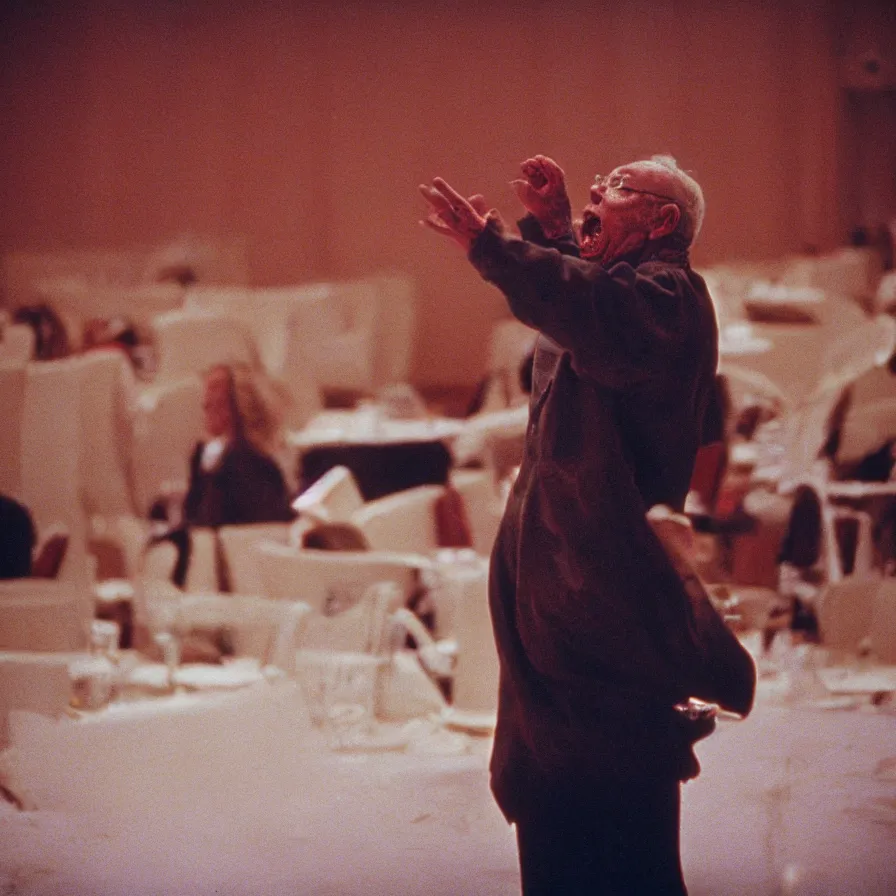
162, 605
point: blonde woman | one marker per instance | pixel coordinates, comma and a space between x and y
234, 477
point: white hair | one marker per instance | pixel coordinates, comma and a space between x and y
694, 205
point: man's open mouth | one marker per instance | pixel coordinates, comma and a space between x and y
591, 228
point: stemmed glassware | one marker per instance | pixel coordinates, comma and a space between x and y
161, 602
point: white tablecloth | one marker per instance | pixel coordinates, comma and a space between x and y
231, 794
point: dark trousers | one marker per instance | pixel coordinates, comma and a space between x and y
622, 840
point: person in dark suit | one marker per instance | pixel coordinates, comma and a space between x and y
234, 476
599, 637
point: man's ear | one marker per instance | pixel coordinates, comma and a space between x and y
666, 221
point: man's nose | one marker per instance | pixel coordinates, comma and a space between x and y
596, 194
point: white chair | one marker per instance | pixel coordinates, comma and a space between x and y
482, 505
233, 301
885, 296
108, 395
17, 344
238, 548
189, 342
33, 682
332, 498
12, 409
43, 615
261, 628
845, 612
167, 425
202, 572
882, 629
331, 336
127, 538
158, 562
847, 271
475, 682
361, 628
329, 579
403, 521
394, 328
504, 451
471, 445
265, 311
51, 457
509, 343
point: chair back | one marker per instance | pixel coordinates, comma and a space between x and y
482, 505
108, 395
331, 336
238, 548
883, 623
403, 521
361, 628
167, 426
330, 580
189, 342
51, 463
33, 682
266, 630
50, 555
475, 686
265, 312
845, 612
203, 573
43, 615
394, 328
12, 410
331, 498
17, 344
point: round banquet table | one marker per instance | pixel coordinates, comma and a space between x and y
233, 793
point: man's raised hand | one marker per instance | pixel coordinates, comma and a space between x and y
451, 215
542, 191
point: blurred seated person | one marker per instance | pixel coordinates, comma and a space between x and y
18, 539
51, 339
22, 553
234, 478
114, 332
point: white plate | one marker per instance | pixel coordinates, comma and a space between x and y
201, 676
469, 722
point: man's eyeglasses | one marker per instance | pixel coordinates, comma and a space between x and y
616, 182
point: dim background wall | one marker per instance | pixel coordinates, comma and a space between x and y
306, 128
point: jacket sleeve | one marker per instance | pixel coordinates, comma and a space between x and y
622, 326
531, 230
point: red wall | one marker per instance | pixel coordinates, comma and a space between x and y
307, 127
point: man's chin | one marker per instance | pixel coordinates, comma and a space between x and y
590, 252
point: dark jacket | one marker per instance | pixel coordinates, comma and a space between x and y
246, 486
596, 634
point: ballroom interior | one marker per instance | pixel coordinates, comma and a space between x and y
302, 698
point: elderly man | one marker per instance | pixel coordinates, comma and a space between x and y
598, 635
